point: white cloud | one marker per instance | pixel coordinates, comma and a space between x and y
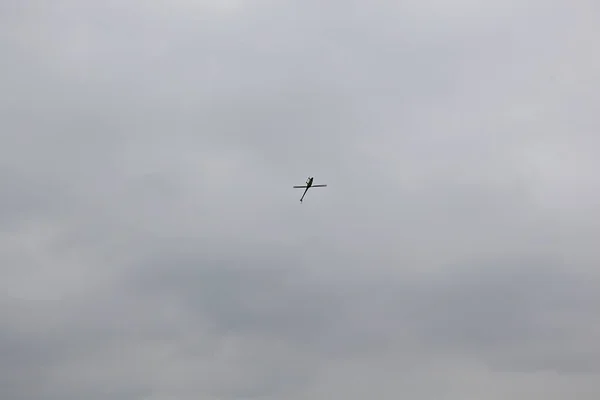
153, 247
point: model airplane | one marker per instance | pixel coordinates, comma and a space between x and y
309, 184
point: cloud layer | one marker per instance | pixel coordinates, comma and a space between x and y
152, 246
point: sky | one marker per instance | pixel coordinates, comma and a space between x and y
152, 246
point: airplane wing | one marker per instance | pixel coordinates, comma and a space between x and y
319, 186
300, 187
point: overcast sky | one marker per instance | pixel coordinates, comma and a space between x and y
152, 246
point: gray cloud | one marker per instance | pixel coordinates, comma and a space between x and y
152, 246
